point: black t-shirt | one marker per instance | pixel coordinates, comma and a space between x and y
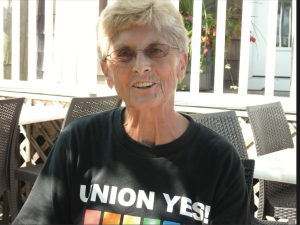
97, 174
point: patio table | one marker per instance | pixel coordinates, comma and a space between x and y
36, 121
36, 114
277, 166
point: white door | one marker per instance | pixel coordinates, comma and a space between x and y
283, 53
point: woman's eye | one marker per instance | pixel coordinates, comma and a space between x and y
124, 53
155, 50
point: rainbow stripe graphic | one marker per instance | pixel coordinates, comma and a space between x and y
109, 218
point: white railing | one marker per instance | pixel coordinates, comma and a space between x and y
242, 99
70, 57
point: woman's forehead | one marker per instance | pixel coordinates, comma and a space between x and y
138, 37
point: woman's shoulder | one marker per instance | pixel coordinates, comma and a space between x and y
216, 144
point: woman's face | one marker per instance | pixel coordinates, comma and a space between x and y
144, 82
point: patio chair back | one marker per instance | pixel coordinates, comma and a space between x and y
271, 133
270, 128
226, 124
81, 106
10, 172
10, 110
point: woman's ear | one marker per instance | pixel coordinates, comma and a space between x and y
182, 66
106, 73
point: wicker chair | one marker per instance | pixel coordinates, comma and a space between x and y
83, 106
78, 107
249, 165
271, 133
10, 172
10, 110
227, 125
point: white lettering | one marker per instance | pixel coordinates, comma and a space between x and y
142, 197
207, 211
132, 197
102, 195
82, 193
184, 206
113, 195
198, 208
170, 202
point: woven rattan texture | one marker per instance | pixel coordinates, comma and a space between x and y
285, 213
249, 165
10, 110
249, 171
7, 116
281, 194
227, 125
29, 173
270, 128
271, 133
84, 106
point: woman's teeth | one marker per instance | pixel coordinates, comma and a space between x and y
143, 84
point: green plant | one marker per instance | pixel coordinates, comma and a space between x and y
182, 86
209, 30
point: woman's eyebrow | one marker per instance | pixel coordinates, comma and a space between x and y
125, 46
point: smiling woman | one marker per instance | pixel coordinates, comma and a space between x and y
144, 161
140, 62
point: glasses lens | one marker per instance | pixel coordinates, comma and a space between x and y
156, 50
122, 55
152, 51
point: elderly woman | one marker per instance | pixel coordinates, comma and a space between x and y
144, 163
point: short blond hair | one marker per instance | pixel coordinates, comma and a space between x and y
124, 14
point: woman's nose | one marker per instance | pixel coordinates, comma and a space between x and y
141, 62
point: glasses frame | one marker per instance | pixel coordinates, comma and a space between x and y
143, 50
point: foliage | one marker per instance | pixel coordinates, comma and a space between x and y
182, 86
209, 29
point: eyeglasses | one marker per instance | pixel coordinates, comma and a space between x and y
152, 51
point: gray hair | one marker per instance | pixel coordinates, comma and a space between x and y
124, 14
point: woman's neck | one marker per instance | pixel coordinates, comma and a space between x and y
154, 126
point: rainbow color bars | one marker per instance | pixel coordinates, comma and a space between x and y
109, 218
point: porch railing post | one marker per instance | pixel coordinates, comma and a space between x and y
220, 46
294, 50
86, 43
15, 45
1, 39
196, 45
175, 3
271, 48
66, 35
32, 49
245, 45
48, 46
